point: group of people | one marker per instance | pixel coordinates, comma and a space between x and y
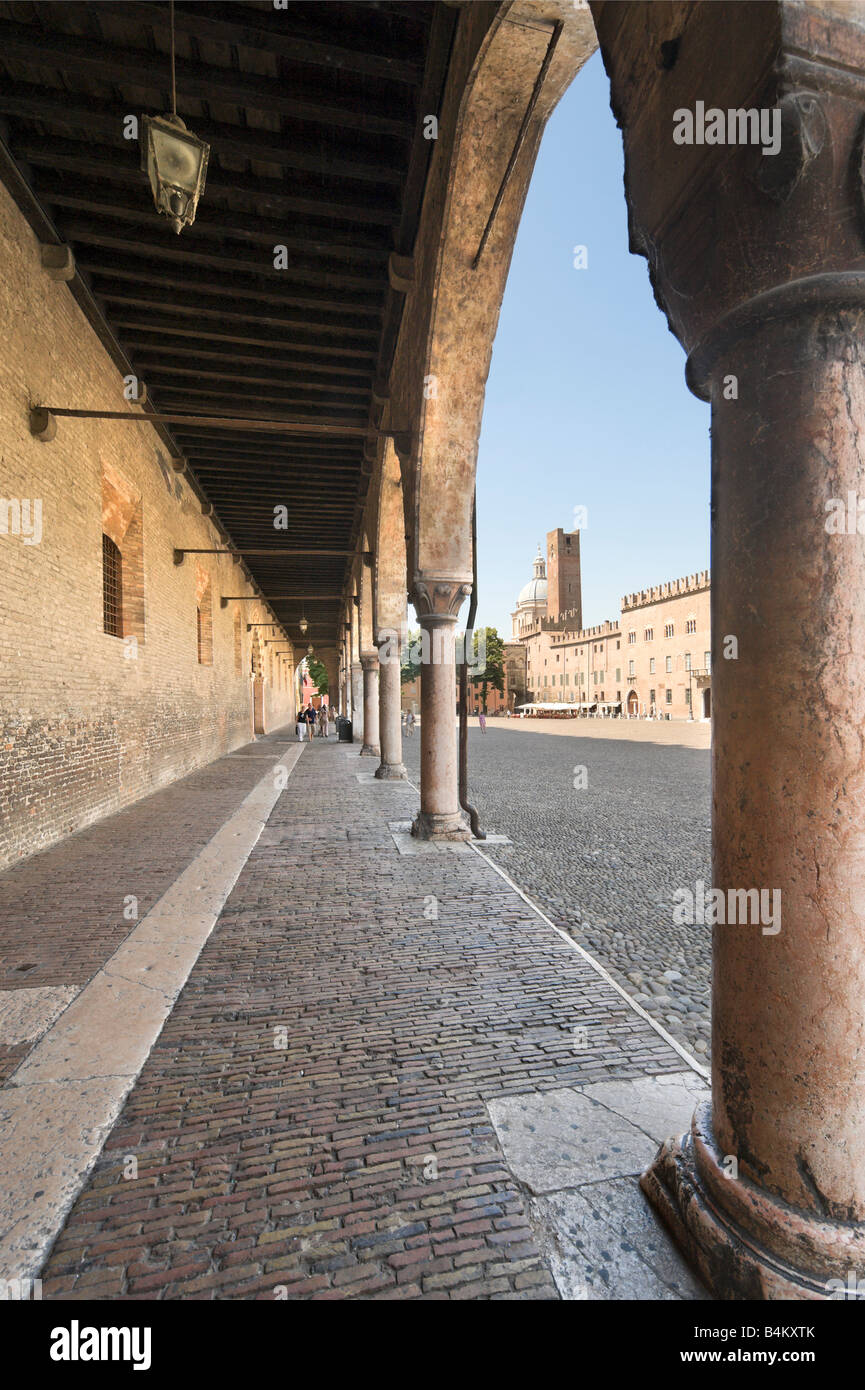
314, 722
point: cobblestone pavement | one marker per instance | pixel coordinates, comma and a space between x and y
605, 860
312, 1120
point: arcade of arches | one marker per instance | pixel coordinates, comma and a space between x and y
372, 356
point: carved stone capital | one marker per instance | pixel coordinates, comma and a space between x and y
439, 599
369, 661
764, 185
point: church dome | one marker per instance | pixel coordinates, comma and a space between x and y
535, 592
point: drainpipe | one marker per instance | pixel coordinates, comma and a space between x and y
464, 684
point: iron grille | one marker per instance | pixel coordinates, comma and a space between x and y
112, 588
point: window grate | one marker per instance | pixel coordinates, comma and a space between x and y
112, 588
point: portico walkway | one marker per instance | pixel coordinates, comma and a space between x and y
329, 1108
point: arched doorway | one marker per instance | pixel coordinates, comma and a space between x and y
257, 687
633, 704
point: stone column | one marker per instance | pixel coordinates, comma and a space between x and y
390, 714
440, 818
759, 261
369, 662
356, 701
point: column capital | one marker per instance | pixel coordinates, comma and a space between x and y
369, 661
732, 186
439, 598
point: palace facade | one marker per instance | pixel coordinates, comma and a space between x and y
653, 661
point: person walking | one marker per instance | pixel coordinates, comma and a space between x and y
482, 720
409, 723
310, 719
322, 721
300, 726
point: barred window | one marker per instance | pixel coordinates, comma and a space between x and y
112, 588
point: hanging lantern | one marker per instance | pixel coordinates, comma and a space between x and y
303, 625
175, 162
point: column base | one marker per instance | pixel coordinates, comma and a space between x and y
392, 772
743, 1242
370, 750
434, 825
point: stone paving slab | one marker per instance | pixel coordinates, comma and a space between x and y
312, 1121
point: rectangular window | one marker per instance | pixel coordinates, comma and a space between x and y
632, 637
618, 673
112, 588
687, 661
691, 625
652, 696
631, 671
669, 694
122, 557
650, 634
668, 629
669, 664
708, 661
651, 665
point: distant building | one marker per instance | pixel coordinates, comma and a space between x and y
653, 662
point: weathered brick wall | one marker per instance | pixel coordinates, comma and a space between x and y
84, 729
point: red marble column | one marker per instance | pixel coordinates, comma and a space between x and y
757, 256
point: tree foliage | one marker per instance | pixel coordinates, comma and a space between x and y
493, 674
317, 674
410, 658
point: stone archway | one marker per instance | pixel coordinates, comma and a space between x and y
508, 78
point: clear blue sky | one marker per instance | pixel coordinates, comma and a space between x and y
586, 401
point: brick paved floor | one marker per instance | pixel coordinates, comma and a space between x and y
358, 1158
61, 911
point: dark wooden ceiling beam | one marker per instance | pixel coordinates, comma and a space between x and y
56, 107
134, 67
331, 451
155, 368
242, 400
103, 163
157, 273
96, 234
268, 33
170, 347
227, 226
189, 298
149, 284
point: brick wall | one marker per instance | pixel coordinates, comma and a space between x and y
90, 722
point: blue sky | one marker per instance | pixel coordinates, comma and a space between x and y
586, 401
